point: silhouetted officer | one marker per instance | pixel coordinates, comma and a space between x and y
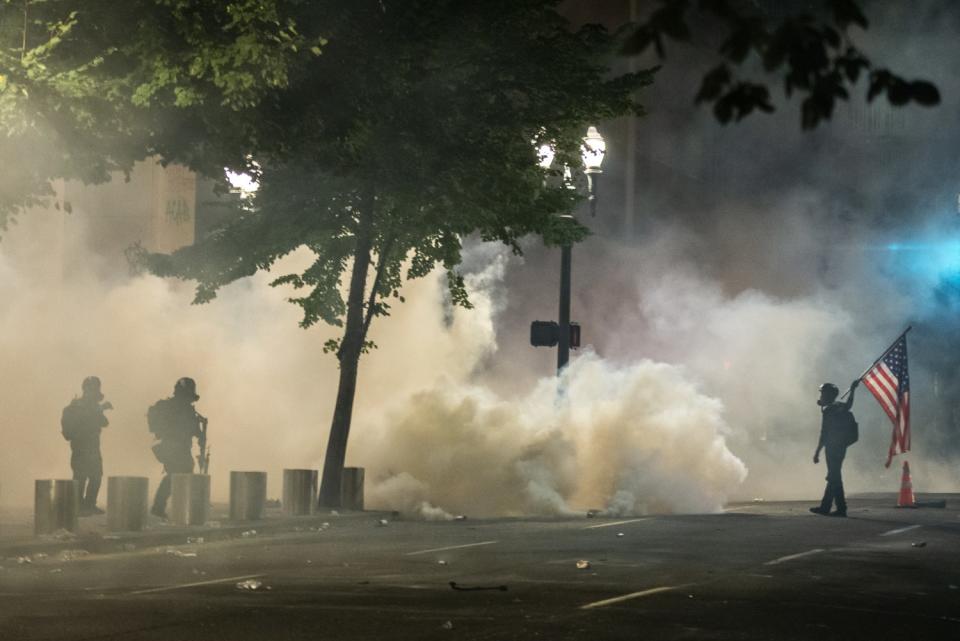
175, 423
838, 431
80, 424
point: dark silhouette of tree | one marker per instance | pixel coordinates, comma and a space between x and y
812, 53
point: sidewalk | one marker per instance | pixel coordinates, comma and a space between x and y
17, 539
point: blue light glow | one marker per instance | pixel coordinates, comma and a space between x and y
931, 260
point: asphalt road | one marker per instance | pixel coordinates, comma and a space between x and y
759, 571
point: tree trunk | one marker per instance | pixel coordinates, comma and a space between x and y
350, 350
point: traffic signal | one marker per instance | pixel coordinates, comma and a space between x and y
574, 335
544, 333
547, 334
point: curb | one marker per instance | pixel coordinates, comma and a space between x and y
157, 534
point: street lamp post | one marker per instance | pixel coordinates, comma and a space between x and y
594, 148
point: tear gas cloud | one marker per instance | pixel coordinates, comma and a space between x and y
760, 265
633, 438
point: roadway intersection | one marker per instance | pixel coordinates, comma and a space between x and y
757, 571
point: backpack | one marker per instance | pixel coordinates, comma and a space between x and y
850, 431
157, 422
70, 422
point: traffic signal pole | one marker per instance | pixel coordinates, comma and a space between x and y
563, 345
563, 334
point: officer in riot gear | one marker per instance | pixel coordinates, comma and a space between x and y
81, 423
838, 431
174, 423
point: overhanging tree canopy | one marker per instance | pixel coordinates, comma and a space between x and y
415, 128
88, 87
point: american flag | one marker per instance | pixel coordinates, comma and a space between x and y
889, 382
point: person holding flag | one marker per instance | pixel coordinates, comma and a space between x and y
888, 379
838, 431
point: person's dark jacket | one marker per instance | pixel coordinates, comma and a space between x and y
81, 423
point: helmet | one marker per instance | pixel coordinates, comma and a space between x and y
186, 388
91, 387
829, 392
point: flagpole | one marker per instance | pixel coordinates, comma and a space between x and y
887, 351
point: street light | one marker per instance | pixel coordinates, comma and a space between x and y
593, 150
546, 154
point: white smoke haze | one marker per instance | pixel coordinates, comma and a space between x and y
733, 390
639, 432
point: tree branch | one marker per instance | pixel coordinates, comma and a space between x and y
381, 266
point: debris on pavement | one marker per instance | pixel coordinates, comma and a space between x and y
447, 625
619, 533
71, 555
194, 539
248, 534
460, 517
919, 544
382, 522
59, 535
593, 513
583, 564
454, 586
441, 562
22, 560
181, 553
56, 571
251, 585
197, 572
757, 499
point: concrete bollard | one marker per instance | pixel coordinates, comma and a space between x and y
248, 495
127, 503
351, 488
56, 506
299, 492
190, 499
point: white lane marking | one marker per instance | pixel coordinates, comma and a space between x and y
193, 585
901, 529
627, 597
611, 524
791, 557
451, 547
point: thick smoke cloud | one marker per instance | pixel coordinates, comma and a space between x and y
632, 437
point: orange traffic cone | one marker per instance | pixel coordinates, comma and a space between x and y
906, 498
